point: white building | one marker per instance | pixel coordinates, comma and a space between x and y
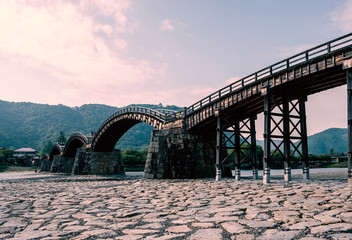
24, 152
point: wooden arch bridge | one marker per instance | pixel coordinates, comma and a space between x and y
225, 119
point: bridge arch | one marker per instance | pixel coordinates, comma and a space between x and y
57, 149
75, 141
120, 122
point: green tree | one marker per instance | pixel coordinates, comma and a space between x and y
332, 151
6, 154
246, 151
47, 148
260, 155
134, 157
61, 139
276, 160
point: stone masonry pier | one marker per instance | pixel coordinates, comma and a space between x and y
176, 153
62, 164
98, 163
46, 165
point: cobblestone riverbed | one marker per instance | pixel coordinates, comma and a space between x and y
39, 206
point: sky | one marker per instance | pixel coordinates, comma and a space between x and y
76, 52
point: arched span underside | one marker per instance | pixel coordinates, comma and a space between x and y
117, 125
56, 150
76, 140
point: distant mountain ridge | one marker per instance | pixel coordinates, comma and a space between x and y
24, 124
331, 140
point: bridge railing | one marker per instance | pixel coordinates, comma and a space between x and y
158, 114
166, 111
135, 109
317, 52
174, 115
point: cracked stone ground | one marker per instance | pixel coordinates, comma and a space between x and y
92, 207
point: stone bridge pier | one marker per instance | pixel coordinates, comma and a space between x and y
77, 157
175, 153
98, 163
88, 162
62, 164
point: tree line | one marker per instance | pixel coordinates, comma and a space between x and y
134, 159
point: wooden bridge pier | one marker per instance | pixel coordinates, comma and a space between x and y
267, 139
304, 138
285, 133
240, 137
253, 146
218, 146
289, 82
348, 66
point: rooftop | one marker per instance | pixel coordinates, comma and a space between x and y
25, 150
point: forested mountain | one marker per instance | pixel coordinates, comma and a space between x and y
33, 125
332, 140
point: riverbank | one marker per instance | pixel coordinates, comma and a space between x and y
48, 206
315, 173
14, 168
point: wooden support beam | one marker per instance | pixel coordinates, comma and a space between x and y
237, 151
286, 137
304, 135
349, 118
267, 139
254, 148
218, 148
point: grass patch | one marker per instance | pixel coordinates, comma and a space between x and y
337, 165
134, 168
4, 167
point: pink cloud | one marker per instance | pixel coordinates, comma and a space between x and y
342, 17
166, 25
170, 24
232, 80
63, 40
116, 9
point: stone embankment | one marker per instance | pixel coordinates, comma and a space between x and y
91, 207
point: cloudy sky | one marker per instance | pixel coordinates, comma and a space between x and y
76, 52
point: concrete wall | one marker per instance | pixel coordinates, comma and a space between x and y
175, 153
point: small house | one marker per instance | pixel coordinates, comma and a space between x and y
24, 152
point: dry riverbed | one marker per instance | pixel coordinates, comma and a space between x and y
46, 206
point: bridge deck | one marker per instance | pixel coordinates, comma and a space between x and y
306, 73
